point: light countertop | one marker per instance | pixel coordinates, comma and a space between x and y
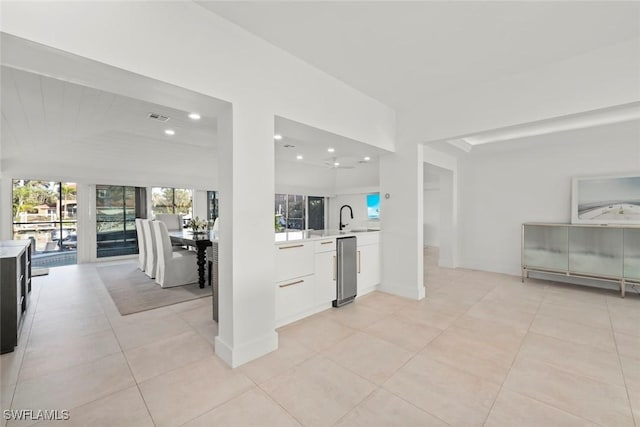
309, 235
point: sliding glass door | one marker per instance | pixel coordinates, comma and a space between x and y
117, 207
46, 212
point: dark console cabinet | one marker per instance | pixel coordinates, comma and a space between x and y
15, 288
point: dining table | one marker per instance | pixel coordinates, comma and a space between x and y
200, 241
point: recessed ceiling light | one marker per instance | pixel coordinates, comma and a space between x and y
194, 116
367, 158
277, 137
299, 157
170, 132
331, 149
336, 164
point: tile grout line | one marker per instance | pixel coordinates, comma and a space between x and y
417, 353
127, 362
513, 361
427, 344
26, 343
624, 378
92, 361
356, 405
546, 363
219, 404
274, 399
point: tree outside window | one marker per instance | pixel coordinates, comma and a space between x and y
168, 200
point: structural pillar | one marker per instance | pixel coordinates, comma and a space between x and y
246, 326
401, 217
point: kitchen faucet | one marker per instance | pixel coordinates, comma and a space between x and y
350, 210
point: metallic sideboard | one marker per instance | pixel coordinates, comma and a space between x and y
609, 252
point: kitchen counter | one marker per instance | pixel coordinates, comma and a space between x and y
310, 235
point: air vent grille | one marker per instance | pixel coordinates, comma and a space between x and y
288, 146
159, 117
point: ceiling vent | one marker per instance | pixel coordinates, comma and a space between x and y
159, 117
288, 146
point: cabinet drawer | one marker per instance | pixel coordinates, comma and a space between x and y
325, 245
294, 260
294, 297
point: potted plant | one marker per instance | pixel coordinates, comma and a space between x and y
197, 225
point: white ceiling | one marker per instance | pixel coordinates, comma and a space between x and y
66, 100
401, 52
313, 143
40, 111
37, 109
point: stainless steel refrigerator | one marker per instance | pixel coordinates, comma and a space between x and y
347, 270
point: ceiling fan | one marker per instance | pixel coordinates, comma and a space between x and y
340, 163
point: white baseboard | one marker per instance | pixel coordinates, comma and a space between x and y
302, 314
412, 292
243, 353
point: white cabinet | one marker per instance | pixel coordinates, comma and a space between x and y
326, 245
294, 260
326, 277
368, 258
294, 299
306, 275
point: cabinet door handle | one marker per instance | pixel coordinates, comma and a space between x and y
327, 243
335, 267
358, 261
290, 247
292, 283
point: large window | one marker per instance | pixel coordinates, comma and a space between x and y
46, 212
294, 212
117, 207
167, 200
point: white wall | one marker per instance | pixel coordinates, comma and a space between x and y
351, 188
300, 178
432, 215
364, 178
529, 180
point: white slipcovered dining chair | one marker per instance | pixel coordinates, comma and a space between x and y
172, 221
150, 248
175, 268
142, 250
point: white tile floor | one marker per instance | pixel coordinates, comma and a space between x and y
481, 349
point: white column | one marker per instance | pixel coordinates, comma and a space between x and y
86, 226
401, 221
246, 327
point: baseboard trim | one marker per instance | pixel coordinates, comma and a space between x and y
241, 354
412, 292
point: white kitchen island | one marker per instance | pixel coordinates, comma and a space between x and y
306, 270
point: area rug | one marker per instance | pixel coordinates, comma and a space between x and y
132, 291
